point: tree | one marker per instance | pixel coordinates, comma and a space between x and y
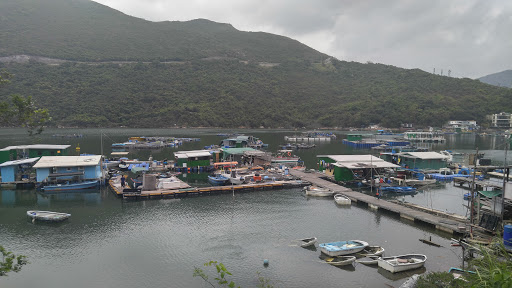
10, 262
22, 111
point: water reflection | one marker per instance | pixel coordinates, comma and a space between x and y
401, 275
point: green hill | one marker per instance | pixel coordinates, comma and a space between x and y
87, 31
502, 79
201, 73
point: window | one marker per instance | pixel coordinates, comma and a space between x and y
81, 168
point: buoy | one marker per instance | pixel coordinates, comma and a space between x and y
265, 261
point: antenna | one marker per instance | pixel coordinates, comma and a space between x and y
434, 71
449, 72
441, 72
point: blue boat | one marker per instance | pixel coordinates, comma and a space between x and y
71, 186
342, 247
218, 180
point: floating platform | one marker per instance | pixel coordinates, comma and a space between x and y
446, 224
479, 185
128, 193
443, 177
370, 144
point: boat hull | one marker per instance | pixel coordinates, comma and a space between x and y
218, 181
319, 192
342, 247
395, 264
48, 216
342, 200
308, 242
342, 260
71, 187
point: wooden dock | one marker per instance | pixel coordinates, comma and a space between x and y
115, 186
479, 185
440, 222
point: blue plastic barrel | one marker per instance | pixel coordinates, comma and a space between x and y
507, 235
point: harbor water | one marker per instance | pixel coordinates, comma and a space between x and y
109, 242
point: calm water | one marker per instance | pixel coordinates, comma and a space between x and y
109, 242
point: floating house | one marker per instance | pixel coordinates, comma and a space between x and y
195, 158
69, 168
235, 154
242, 141
17, 172
11, 153
429, 137
419, 160
351, 167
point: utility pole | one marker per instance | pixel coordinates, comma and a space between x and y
505, 178
472, 193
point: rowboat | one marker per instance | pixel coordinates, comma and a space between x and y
342, 199
71, 186
48, 215
373, 250
401, 263
342, 247
368, 260
317, 191
341, 260
306, 242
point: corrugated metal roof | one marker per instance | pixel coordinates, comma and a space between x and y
237, 151
19, 162
68, 161
361, 165
192, 153
352, 158
36, 146
424, 155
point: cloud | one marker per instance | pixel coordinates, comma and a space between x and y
468, 37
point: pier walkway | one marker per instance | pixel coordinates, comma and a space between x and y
440, 222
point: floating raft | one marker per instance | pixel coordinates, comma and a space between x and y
442, 177
184, 192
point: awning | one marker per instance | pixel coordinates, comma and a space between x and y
490, 194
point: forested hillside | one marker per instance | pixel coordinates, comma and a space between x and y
202, 73
233, 94
87, 31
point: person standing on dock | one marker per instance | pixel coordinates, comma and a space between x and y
378, 193
123, 181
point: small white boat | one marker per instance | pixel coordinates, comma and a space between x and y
342, 247
317, 191
368, 260
401, 263
342, 199
306, 242
48, 215
373, 250
340, 260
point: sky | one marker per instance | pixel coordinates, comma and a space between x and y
466, 38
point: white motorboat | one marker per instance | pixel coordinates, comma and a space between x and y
401, 263
317, 191
342, 199
48, 215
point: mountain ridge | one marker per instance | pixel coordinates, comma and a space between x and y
501, 79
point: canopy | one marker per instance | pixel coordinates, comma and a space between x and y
490, 194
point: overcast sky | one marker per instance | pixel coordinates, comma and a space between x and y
472, 38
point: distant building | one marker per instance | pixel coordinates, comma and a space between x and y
462, 125
501, 120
